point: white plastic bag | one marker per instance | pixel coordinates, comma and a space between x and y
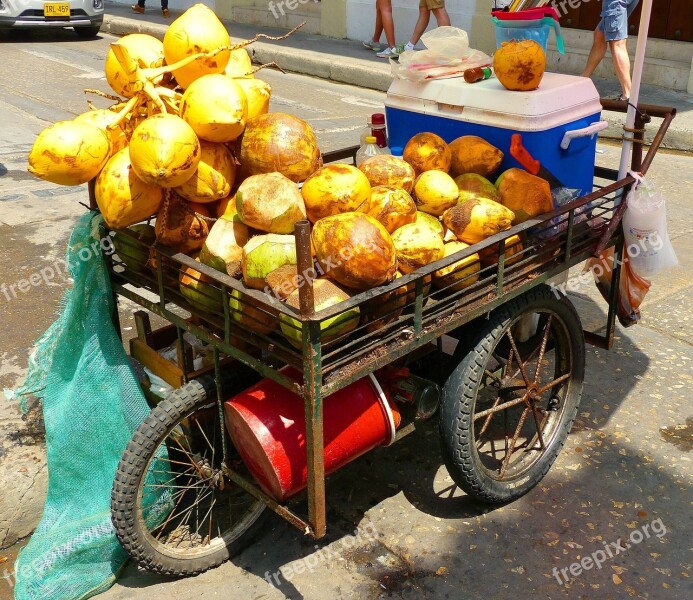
648, 246
448, 55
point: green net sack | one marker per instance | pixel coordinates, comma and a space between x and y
92, 404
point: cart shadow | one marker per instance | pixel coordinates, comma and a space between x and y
42, 36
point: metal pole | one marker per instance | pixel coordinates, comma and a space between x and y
635, 91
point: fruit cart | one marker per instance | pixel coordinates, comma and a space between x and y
201, 471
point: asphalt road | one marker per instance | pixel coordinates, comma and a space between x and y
626, 465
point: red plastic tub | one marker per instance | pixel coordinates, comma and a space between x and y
267, 425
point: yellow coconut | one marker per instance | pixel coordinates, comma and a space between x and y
197, 30
123, 198
393, 207
215, 107
385, 169
226, 207
279, 142
102, 118
214, 177
258, 93
460, 274
164, 150
355, 250
334, 189
434, 223
69, 153
475, 219
147, 50
434, 192
270, 202
426, 151
519, 65
239, 64
417, 245
325, 294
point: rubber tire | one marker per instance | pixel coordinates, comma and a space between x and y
145, 441
459, 395
87, 33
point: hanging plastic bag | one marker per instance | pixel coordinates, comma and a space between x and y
648, 246
632, 287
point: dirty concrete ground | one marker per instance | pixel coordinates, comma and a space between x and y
398, 527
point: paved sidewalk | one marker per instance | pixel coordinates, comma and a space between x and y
347, 61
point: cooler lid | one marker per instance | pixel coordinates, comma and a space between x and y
560, 99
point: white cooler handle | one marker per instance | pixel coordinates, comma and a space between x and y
590, 130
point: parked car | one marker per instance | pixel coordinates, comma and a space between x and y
85, 16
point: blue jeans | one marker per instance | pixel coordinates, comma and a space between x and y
614, 21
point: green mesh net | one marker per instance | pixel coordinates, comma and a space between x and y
92, 404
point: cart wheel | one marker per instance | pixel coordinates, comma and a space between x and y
508, 406
173, 509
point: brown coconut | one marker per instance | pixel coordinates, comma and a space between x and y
335, 188
279, 142
181, 225
460, 274
525, 194
385, 169
427, 151
472, 154
417, 245
391, 206
476, 219
270, 202
355, 250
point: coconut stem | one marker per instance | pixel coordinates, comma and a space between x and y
103, 95
266, 65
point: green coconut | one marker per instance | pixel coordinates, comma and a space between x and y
223, 248
264, 254
473, 185
199, 290
135, 252
249, 313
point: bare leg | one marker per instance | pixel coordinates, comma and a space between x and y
597, 53
619, 54
421, 24
378, 26
442, 17
384, 7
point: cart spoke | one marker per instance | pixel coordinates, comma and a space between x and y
500, 407
539, 427
554, 383
544, 342
506, 460
519, 358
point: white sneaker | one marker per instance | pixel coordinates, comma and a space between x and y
371, 45
408, 47
388, 53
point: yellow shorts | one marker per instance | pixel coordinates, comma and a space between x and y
432, 4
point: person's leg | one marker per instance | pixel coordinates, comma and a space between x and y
619, 54
139, 7
597, 53
442, 16
421, 23
385, 8
378, 26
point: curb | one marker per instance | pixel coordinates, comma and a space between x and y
374, 76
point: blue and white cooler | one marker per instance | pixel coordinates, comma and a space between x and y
558, 122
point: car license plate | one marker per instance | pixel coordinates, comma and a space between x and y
56, 9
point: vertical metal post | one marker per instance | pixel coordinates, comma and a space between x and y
312, 383
501, 268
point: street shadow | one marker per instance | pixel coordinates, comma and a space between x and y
40, 35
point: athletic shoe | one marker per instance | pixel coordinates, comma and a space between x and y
164, 11
371, 45
388, 53
408, 47
138, 9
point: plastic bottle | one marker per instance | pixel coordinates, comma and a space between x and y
370, 148
379, 130
477, 74
397, 151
